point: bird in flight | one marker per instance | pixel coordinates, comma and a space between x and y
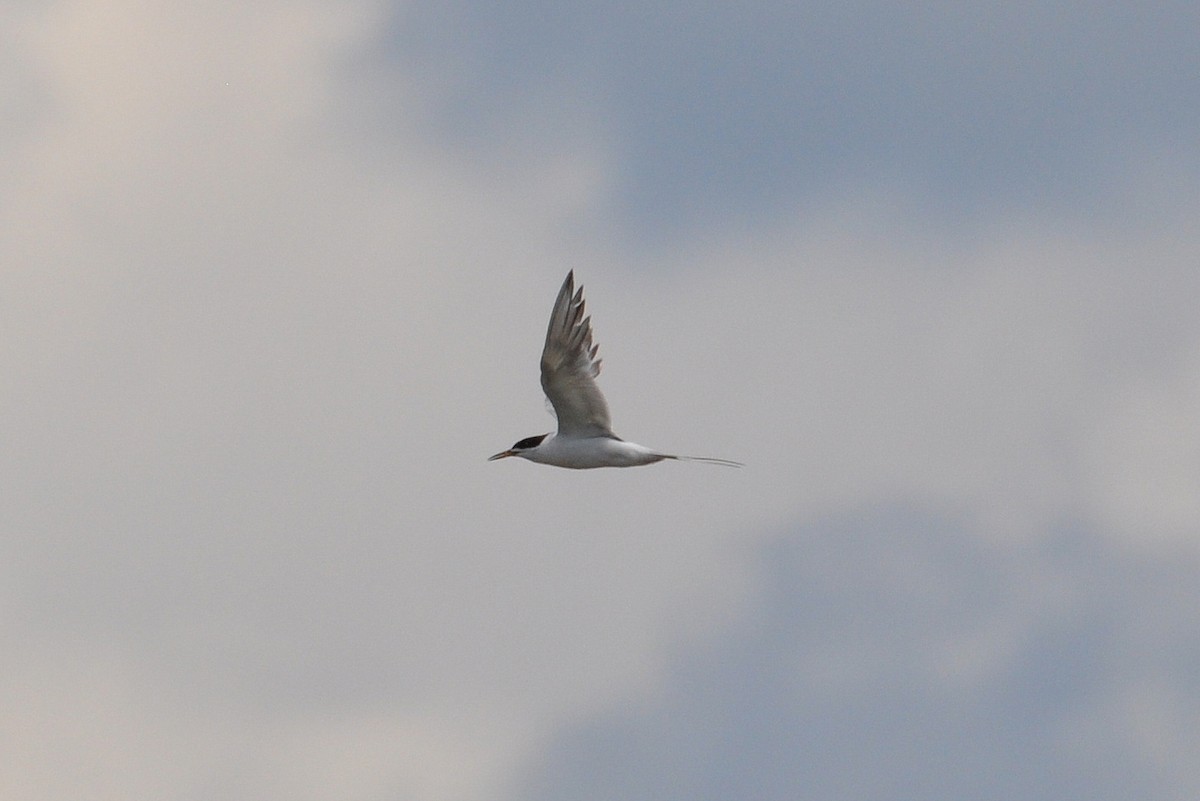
585, 437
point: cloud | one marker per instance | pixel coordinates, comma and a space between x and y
723, 114
264, 318
893, 655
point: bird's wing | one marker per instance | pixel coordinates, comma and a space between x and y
570, 367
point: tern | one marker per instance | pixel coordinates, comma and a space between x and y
585, 438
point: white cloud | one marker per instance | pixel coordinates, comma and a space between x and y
81, 720
1143, 457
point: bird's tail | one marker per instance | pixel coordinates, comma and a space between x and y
705, 460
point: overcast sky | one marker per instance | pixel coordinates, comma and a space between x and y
274, 283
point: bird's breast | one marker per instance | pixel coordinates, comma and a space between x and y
589, 452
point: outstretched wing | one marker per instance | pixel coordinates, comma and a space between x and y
570, 367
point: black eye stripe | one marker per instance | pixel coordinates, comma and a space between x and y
529, 442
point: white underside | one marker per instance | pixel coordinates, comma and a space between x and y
584, 453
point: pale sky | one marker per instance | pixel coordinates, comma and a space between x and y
275, 281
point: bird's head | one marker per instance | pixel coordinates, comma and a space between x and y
521, 448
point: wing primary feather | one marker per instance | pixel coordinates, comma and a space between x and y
569, 366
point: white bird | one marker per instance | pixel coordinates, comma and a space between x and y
569, 368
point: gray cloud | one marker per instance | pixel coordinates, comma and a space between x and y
723, 114
894, 655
